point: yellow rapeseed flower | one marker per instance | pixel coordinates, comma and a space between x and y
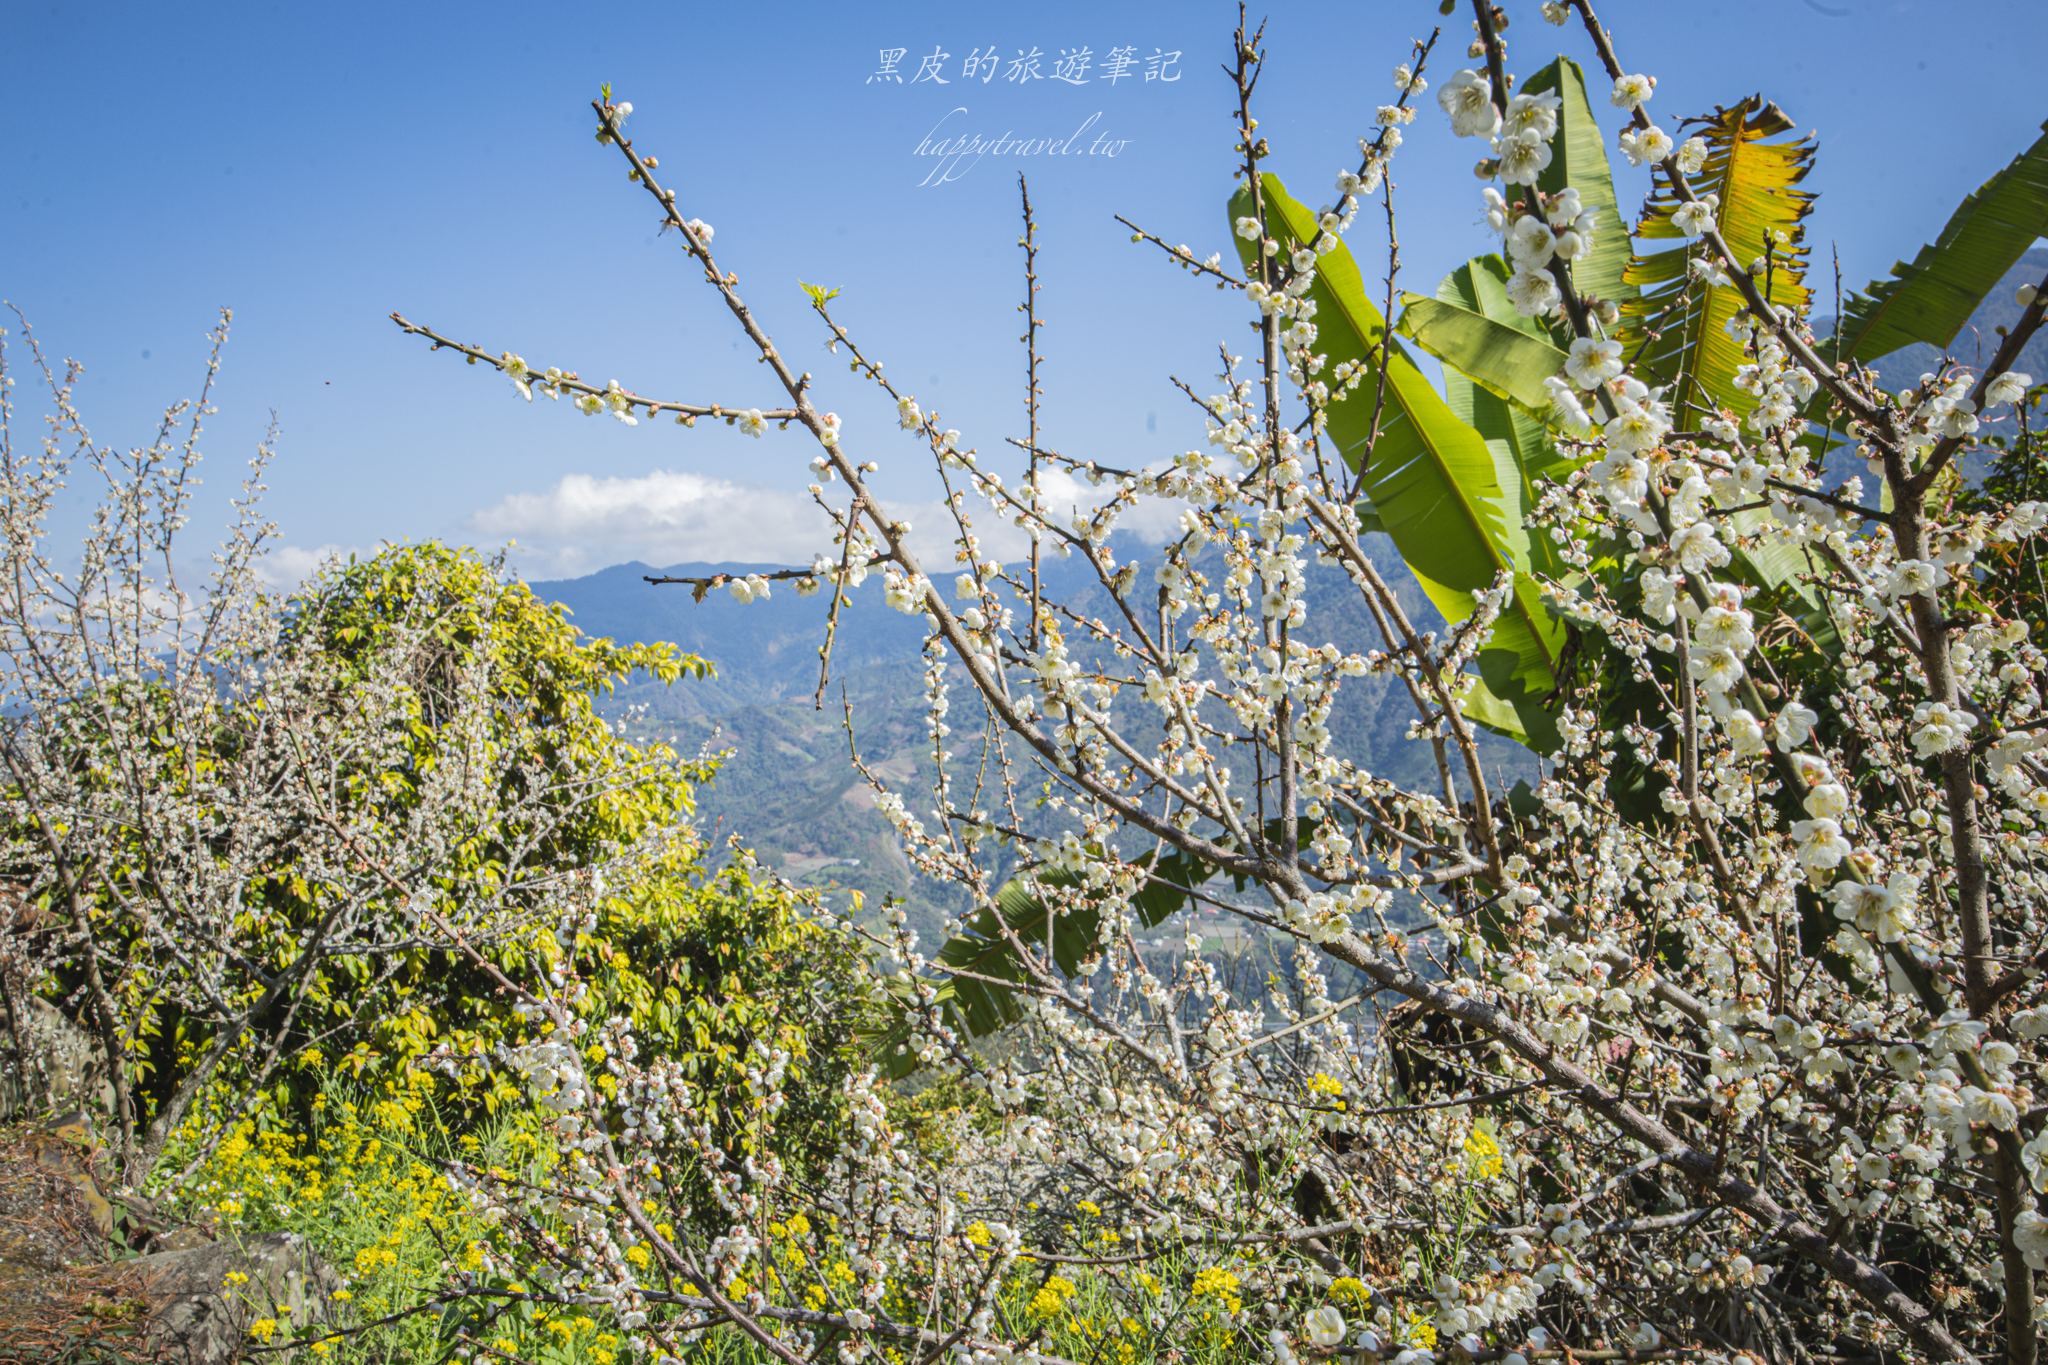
1349, 1289
1482, 1155
1219, 1284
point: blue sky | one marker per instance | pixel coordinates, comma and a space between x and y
317, 166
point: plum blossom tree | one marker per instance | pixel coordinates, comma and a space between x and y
244, 824
1720, 1040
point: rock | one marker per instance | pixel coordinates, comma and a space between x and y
198, 1318
62, 1299
187, 1238
62, 1069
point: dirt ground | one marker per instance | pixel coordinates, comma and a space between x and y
61, 1303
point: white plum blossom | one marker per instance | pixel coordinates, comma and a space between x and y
1632, 92
1524, 156
1592, 362
1939, 727
1468, 99
2009, 387
1566, 408
1793, 725
1745, 734
1819, 843
1911, 577
1324, 1328
1645, 146
1885, 911
1534, 293
1695, 216
2030, 1234
1534, 114
1531, 243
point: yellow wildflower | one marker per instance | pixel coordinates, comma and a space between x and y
1350, 1290
1052, 1296
1219, 1284
1482, 1154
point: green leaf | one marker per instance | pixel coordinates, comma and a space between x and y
979, 1003
1452, 503
1518, 442
1505, 360
1762, 209
818, 294
1480, 285
1579, 159
1933, 298
1482, 707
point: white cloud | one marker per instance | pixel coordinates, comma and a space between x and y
587, 522
284, 567
1152, 520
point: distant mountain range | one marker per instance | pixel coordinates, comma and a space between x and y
789, 787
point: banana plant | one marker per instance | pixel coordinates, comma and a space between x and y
1452, 503
1678, 323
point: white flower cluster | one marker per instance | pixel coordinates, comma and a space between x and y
1735, 1005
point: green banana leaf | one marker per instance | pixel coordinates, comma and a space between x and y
1505, 360
1579, 159
1476, 389
1516, 708
1757, 179
1482, 707
1933, 298
1479, 288
1452, 504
